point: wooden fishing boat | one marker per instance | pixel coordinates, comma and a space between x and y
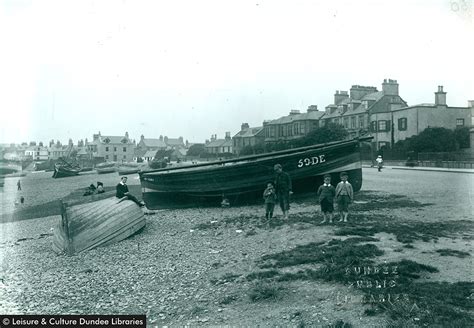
245, 178
96, 223
128, 168
65, 170
105, 168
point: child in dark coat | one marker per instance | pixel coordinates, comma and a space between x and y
269, 195
326, 194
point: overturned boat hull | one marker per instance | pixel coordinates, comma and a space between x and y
97, 223
61, 171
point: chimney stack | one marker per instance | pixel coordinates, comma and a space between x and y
390, 87
244, 126
294, 112
312, 108
227, 135
340, 96
440, 97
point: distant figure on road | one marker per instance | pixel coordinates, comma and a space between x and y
270, 197
326, 194
283, 189
122, 192
379, 161
18, 184
344, 196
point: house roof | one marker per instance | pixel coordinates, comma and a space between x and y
312, 115
250, 132
383, 104
112, 140
174, 142
215, 143
155, 143
150, 153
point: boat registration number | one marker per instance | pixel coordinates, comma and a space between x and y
312, 160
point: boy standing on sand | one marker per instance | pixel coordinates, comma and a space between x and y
344, 196
326, 194
270, 199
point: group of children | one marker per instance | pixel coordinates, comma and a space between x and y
93, 189
342, 194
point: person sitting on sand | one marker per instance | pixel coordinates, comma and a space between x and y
122, 192
100, 187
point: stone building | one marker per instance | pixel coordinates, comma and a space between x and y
293, 126
219, 146
247, 136
112, 148
365, 110
411, 120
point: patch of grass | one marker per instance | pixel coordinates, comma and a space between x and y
452, 252
265, 291
196, 310
376, 201
340, 324
406, 232
343, 253
262, 274
228, 299
228, 277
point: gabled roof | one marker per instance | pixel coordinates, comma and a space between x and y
250, 132
383, 104
111, 140
215, 143
174, 142
154, 143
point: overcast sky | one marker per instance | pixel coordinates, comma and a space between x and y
69, 69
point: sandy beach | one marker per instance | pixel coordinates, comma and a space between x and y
222, 266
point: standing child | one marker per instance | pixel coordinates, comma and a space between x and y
270, 199
326, 194
344, 196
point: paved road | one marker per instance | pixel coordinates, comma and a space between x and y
451, 193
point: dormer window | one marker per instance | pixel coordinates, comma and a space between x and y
124, 141
107, 140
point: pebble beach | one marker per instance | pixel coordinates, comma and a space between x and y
189, 266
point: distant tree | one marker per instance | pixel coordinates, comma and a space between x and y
58, 143
462, 137
434, 140
32, 143
247, 150
161, 154
327, 133
196, 150
40, 144
80, 143
259, 148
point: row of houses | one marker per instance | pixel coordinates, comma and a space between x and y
363, 110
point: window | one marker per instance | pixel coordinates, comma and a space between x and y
124, 156
124, 149
402, 124
353, 122
361, 121
115, 148
336, 121
346, 122
459, 122
373, 126
383, 126
106, 148
106, 156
